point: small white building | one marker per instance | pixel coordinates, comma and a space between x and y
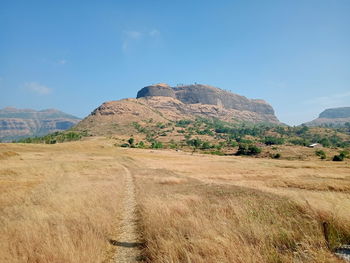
315, 145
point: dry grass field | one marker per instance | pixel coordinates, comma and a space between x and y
63, 203
58, 203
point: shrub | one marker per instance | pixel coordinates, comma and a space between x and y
325, 142
299, 141
141, 144
273, 140
56, 137
131, 141
344, 153
233, 144
321, 154
276, 156
243, 141
338, 158
206, 145
172, 146
156, 145
182, 123
254, 150
248, 149
194, 142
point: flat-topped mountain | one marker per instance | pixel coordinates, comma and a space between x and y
20, 123
332, 117
204, 94
162, 103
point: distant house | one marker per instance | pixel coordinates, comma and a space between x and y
315, 145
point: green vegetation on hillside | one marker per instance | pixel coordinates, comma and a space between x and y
56, 137
220, 137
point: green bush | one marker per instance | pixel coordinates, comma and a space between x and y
325, 142
299, 141
321, 154
276, 156
56, 137
156, 145
273, 140
233, 144
338, 158
344, 153
254, 150
248, 149
141, 144
131, 141
205, 145
182, 123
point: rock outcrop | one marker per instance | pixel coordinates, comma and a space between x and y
21, 123
204, 94
162, 103
333, 117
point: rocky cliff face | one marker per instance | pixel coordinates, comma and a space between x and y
21, 123
336, 117
162, 103
336, 113
204, 94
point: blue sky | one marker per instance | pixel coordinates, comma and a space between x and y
74, 55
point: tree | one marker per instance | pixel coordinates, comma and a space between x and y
248, 149
196, 143
131, 141
254, 150
325, 142
269, 140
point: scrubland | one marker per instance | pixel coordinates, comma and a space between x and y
62, 203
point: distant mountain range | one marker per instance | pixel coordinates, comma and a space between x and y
21, 123
157, 103
333, 117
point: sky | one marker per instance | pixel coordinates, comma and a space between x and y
75, 55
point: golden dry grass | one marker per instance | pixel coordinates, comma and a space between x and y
58, 203
61, 203
236, 209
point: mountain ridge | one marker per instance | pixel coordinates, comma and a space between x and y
21, 123
336, 117
206, 94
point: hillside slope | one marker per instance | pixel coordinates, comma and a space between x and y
162, 103
21, 123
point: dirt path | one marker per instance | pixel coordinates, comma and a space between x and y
128, 244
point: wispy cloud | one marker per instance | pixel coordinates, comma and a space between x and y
133, 36
61, 61
130, 37
154, 33
37, 88
333, 100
